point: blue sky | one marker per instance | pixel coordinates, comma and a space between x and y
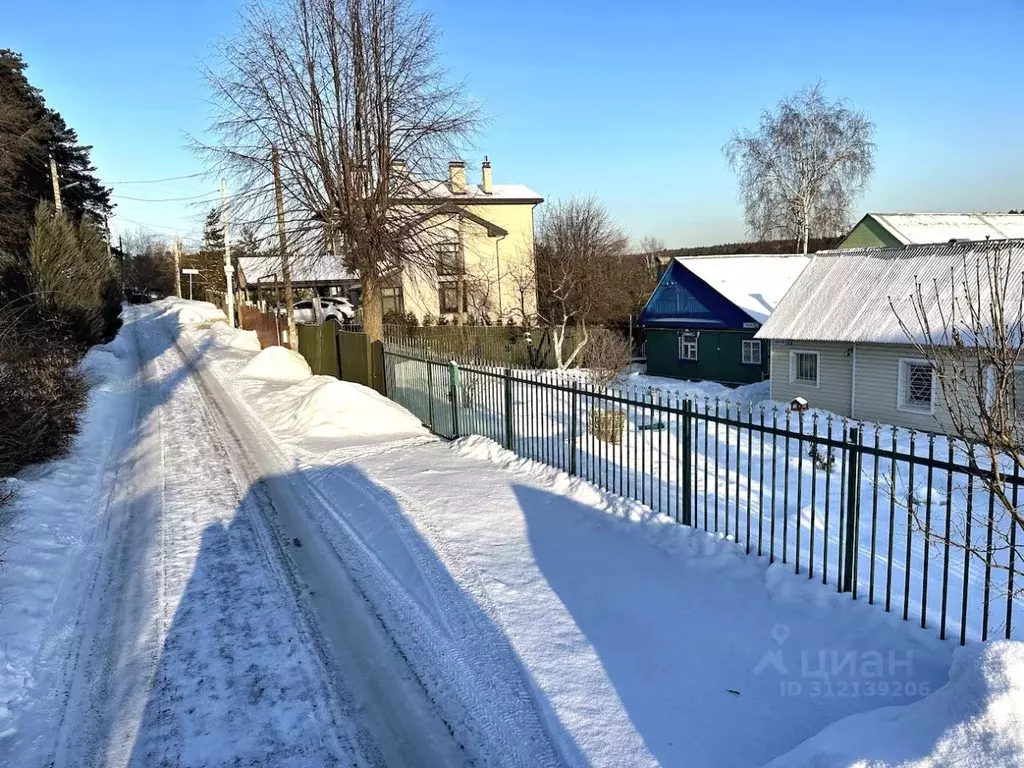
630, 102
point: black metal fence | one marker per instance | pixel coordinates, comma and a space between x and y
902, 519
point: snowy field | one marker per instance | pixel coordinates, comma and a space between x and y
323, 582
755, 481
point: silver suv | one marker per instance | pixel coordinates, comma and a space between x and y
324, 308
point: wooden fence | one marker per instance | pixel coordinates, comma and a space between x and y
267, 325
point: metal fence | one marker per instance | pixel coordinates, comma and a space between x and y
902, 519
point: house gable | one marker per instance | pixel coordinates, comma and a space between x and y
869, 233
683, 300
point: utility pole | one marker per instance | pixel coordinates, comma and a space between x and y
120, 252
56, 185
286, 272
228, 272
177, 266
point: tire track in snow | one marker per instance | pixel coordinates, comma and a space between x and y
153, 676
483, 701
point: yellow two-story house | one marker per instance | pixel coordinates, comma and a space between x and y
485, 252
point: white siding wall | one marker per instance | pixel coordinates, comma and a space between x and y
878, 388
835, 379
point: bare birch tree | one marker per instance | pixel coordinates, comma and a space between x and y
579, 254
652, 249
970, 327
352, 96
802, 169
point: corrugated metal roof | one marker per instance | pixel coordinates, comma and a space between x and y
921, 228
861, 295
754, 283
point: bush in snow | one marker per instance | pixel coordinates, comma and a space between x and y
71, 278
42, 395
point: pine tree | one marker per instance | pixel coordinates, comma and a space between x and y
29, 133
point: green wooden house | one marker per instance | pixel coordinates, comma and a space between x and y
701, 319
880, 230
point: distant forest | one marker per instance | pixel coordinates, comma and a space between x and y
761, 246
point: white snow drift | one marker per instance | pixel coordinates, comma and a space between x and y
975, 721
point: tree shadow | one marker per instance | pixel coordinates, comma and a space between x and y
392, 659
710, 666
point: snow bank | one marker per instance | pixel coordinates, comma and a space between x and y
56, 506
187, 311
326, 407
713, 549
277, 364
975, 721
224, 335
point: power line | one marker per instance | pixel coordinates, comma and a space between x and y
158, 181
165, 199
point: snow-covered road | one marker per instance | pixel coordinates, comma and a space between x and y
243, 564
183, 633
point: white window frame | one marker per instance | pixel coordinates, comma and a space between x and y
817, 367
748, 344
990, 383
901, 385
684, 342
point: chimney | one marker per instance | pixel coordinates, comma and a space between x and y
457, 177
485, 177
398, 167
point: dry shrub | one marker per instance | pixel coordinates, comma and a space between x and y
607, 356
42, 395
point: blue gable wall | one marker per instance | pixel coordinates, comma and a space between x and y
683, 300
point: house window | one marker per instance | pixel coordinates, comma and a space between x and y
916, 386
449, 264
1012, 399
449, 295
688, 346
391, 300
803, 368
751, 352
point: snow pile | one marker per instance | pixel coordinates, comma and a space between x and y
326, 407
975, 721
224, 335
187, 312
277, 364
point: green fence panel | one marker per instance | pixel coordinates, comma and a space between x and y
317, 343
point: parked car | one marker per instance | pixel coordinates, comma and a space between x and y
324, 308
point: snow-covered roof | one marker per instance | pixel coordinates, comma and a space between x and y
754, 283
845, 295
322, 268
442, 190
921, 228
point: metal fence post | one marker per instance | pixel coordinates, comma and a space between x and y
430, 394
851, 541
453, 395
508, 409
573, 410
686, 511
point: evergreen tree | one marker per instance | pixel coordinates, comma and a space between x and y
29, 133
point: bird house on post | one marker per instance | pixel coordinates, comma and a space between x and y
798, 404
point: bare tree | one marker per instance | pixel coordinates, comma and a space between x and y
971, 329
652, 249
579, 256
805, 165
351, 95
